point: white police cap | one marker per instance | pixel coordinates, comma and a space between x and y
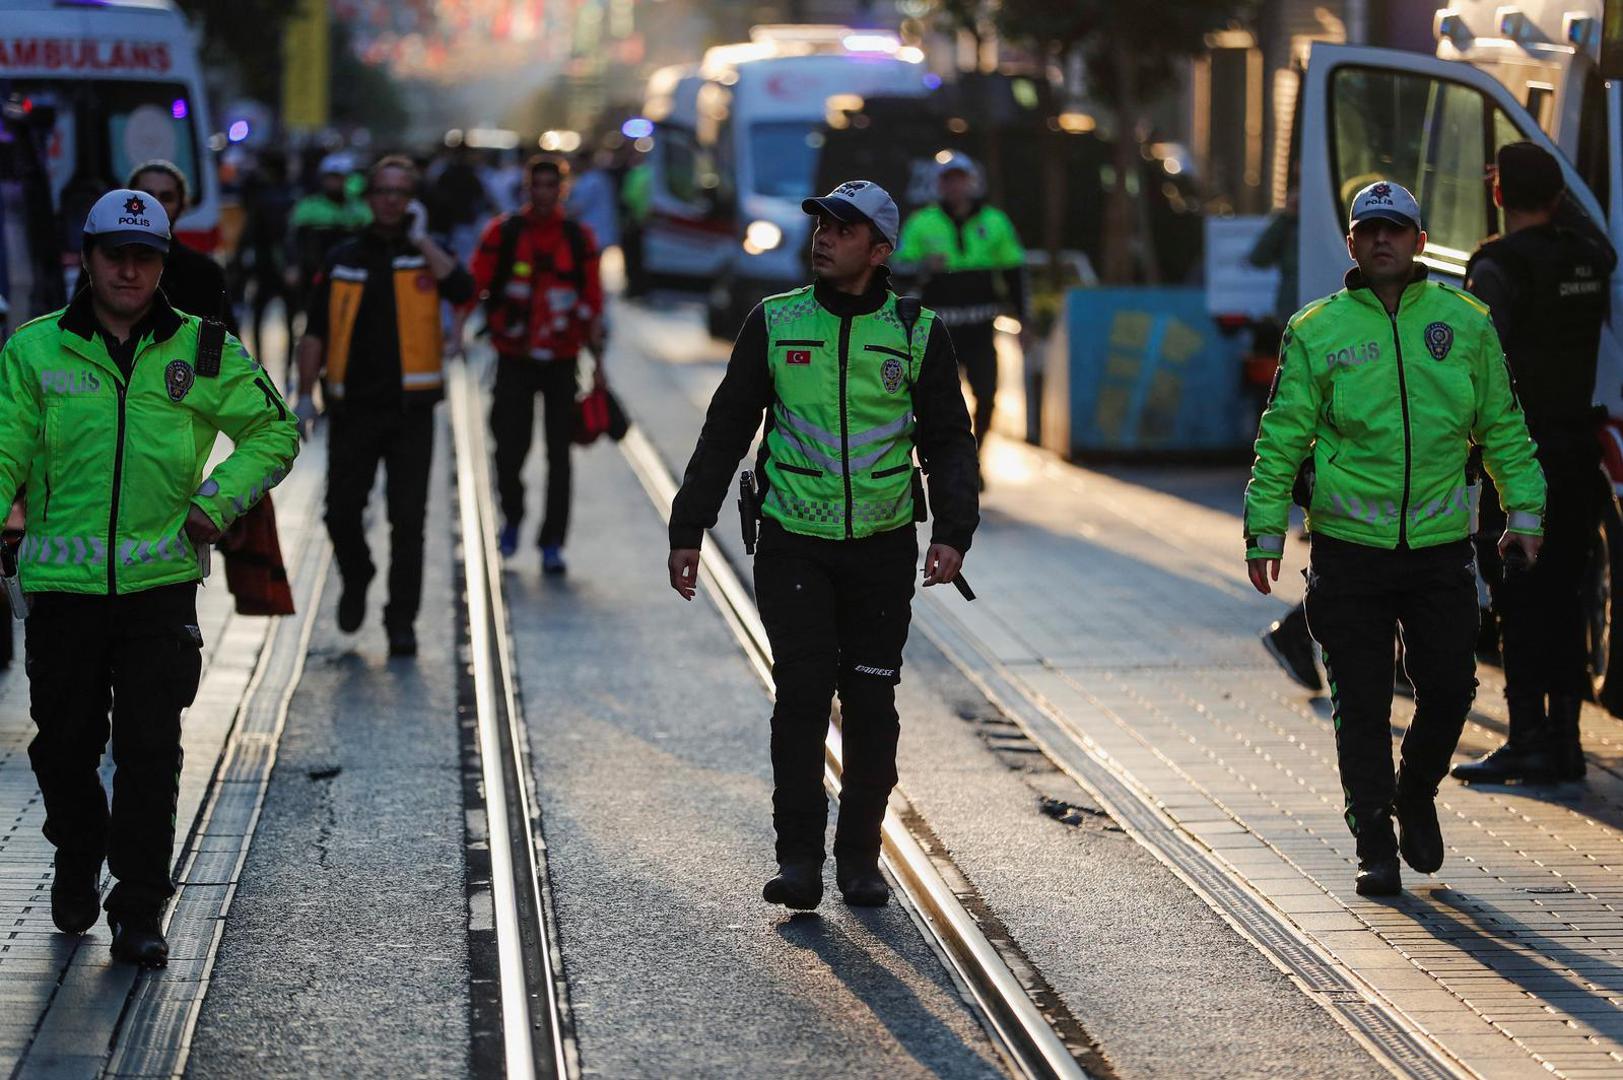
1384, 199
859, 200
123, 217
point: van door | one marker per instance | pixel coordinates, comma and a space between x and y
691, 230
1431, 125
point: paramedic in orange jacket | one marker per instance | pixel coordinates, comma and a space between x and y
374, 341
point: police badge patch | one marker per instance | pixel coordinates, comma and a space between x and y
891, 373
177, 379
1439, 339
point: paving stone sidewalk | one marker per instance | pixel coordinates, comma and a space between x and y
1127, 610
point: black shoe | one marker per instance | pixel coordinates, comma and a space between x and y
352, 607
1529, 764
863, 886
1527, 753
402, 641
1379, 877
1420, 838
1287, 641
75, 894
138, 939
1566, 749
799, 885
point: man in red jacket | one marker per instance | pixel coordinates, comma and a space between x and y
537, 272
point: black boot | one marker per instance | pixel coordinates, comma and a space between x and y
76, 893
799, 885
1288, 642
1420, 837
861, 883
138, 939
1525, 756
1378, 873
1566, 748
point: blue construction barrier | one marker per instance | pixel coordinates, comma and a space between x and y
1151, 372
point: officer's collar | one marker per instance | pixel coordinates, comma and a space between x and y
79, 318
846, 305
1355, 283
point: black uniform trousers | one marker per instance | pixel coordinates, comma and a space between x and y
135, 660
512, 422
976, 346
1542, 628
836, 613
1357, 598
402, 439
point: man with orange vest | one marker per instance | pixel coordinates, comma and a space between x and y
374, 341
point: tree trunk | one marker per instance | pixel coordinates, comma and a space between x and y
1118, 230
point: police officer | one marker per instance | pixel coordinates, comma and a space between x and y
1387, 384
969, 258
851, 379
1545, 284
112, 408
192, 281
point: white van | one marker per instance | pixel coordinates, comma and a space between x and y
736, 141
117, 82
1502, 72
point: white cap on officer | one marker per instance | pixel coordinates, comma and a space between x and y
124, 217
860, 200
1384, 199
337, 163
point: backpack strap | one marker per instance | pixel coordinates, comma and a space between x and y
210, 347
511, 229
575, 236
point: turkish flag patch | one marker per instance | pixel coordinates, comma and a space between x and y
798, 356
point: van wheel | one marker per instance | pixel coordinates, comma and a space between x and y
1603, 634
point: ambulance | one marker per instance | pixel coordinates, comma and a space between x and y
91, 88
1549, 72
736, 144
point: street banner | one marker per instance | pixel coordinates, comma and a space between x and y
306, 67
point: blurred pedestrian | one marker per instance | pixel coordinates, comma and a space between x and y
375, 342
192, 281
1545, 281
838, 547
635, 202
971, 266
460, 197
268, 202
594, 198
321, 221
537, 272
1415, 374
113, 408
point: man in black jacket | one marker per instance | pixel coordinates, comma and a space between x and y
1545, 284
192, 282
852, 380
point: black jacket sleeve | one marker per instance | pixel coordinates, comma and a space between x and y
729, 426
1493, 284
946, 444
457, 286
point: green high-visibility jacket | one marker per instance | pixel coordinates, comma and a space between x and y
113, 467
1389, 406
986, 241
840, 435
320, 212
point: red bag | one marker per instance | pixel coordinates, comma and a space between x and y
591, 416
254, 571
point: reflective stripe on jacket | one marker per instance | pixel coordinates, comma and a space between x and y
1389, 406
417, 318
840, 434
113, 468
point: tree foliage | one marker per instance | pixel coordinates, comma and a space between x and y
245, 35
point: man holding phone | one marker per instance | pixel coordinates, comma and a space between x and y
374, 341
